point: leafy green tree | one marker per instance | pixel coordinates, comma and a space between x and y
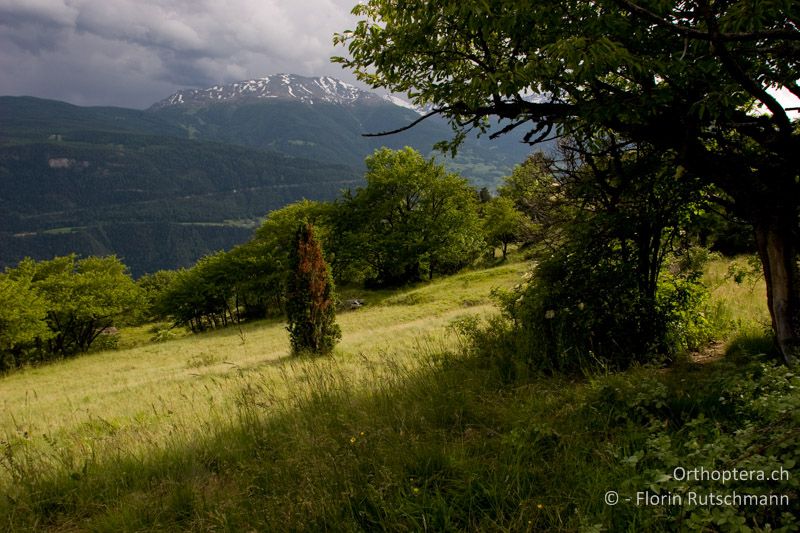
184, 301
310, 302
22, 321
83, 297
248, 281
412, 219
502, 223
257, 273
689, 78
280, 225
272, 245
600, 295
152, 287
201, 297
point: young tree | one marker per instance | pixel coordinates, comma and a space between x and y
502, 223
690, 78
310, 304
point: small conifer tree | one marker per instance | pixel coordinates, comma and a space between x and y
310, 299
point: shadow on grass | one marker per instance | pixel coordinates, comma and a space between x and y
749, 345
448, 447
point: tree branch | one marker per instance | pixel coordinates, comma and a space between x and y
738, 74
503, 109
785, 34
408, 126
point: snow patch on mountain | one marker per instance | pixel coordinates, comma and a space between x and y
280, 86
405, 103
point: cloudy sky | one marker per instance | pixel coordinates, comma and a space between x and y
133, 53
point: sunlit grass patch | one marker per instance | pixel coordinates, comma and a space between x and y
152, 392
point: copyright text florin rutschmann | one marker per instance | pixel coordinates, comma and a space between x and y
711, 498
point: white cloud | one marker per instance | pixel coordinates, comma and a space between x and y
788, 101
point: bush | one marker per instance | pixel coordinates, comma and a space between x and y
310, 302
577, 315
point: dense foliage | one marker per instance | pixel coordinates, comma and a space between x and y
22, 321
58, 308
503, 224
412, 220
609, 215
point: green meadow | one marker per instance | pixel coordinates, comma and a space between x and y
403, 428
153, 386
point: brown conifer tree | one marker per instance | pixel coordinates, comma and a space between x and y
310, 302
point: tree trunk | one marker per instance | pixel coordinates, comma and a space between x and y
777, 248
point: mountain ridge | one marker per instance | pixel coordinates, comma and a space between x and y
308, 90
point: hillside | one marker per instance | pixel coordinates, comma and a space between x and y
325, 119
196, 172
400, 429
157, 202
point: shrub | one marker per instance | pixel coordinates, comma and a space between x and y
576, 314
310, 302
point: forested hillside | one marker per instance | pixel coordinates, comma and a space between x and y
98, 181
158, 202
334, 133
162, 188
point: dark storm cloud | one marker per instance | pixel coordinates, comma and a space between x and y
135, 52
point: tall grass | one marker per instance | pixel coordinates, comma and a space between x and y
738, 306
64, 418
396, 432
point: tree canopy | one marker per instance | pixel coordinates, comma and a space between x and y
413, 218
22, 320
77, 299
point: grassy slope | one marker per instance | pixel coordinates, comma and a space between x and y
389, 434
138, 396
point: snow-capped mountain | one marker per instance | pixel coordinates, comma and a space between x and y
324, 119
280, 87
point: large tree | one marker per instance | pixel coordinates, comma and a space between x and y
22, 320
691, 78
83, 297
413, 219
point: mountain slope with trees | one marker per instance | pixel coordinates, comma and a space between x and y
194, 174
157, 202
